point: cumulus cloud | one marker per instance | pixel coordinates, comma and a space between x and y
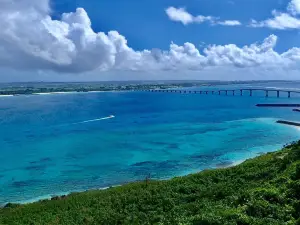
181, 15
30, 39
282, 20
294, 7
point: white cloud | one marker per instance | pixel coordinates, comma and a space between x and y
247, 56
282, 20
294, 7
230, 23
202, 19
181, 15
30, 39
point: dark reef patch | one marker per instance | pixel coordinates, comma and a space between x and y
205, 157
204, 131
46, 159
42, 160
35, 167
169, 164
21, 184
10, 140
145, 163
173, 146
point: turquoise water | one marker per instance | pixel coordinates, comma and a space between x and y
55, 144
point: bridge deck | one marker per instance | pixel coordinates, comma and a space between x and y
223, 90
233, 91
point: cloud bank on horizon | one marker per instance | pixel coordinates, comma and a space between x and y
30, 39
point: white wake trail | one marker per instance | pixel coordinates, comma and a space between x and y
103, 118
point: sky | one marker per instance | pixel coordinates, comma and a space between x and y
91, 40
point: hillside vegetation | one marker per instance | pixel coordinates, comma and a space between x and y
264, 190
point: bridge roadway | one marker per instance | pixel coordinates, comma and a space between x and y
229, 91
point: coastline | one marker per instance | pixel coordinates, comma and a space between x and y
65, 92
266, 185
62, 195
229, 161
58, 194
239, 158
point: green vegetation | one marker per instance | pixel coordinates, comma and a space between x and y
264, 190
35, 88
49, 87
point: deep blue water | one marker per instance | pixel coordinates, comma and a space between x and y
47, 150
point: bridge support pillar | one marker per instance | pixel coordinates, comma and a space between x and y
206, 92
289, 94
219, 92
277, 94
226, 92
233, 92
267, 94
250, 92
241, 92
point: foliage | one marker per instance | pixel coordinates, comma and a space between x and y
264, 190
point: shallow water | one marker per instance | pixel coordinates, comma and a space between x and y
52, 144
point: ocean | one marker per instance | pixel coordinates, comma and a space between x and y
60, 143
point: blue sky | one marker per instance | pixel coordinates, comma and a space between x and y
55, 40
145, 24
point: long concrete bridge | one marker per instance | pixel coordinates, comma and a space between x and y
241, 92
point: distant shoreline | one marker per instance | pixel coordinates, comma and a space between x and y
60, 92
37, 89
63, 88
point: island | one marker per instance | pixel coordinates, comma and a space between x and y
30, 88
42, 88
264, 190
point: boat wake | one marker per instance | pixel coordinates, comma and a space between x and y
94, 120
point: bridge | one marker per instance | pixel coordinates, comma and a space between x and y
241, 92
